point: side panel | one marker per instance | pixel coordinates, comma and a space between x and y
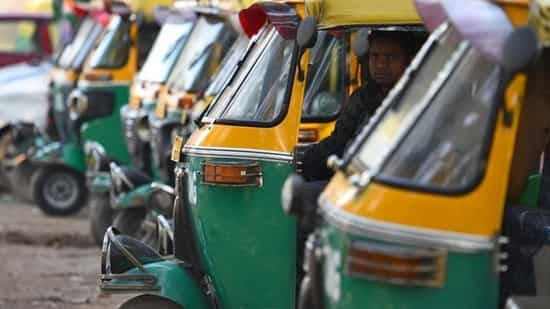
108, 131
247, 242
470, 282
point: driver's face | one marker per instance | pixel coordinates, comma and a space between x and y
387, 61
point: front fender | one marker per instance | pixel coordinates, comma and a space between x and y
139, 197
150, 273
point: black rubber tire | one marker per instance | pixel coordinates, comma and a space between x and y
147, 301
101, 216
129, 221
59, 178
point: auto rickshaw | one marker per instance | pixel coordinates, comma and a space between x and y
26, 137
144, 92
59, 187
422, 212
228, 228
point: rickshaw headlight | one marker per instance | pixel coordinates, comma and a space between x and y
143, 130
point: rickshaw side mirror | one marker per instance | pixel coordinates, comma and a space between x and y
520, 49
306, 37
361, 43
307, 33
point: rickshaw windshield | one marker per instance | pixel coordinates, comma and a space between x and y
74, 53
209, 41
444, 149
227, 67
262, 95
165, 51
112, 51
326, 80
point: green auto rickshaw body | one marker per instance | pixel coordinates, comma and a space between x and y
67, 67
92, 114
236, 231
423, 243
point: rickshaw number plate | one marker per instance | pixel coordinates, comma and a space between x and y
160, 109
176, 148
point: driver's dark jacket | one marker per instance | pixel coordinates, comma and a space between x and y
362, 104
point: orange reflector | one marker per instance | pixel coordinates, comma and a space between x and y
97, 77
308, 136
235, 174
396, 264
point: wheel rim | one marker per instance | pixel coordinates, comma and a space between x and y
61, 190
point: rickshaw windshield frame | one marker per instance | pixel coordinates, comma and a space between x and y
73, 54
272, 36
165, 51
227, 67
109, 44
446, 76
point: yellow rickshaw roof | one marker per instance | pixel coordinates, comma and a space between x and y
332, 13
247, 3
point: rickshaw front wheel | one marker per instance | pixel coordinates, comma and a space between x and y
59, 191
147, 301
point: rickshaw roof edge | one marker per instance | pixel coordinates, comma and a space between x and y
333, 13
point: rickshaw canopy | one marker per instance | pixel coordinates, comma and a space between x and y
333, 13
481, 22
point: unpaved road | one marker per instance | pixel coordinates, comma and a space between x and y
48, 262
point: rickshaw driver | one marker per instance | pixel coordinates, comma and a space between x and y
389, 55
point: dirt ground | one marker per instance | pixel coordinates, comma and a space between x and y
48, 262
